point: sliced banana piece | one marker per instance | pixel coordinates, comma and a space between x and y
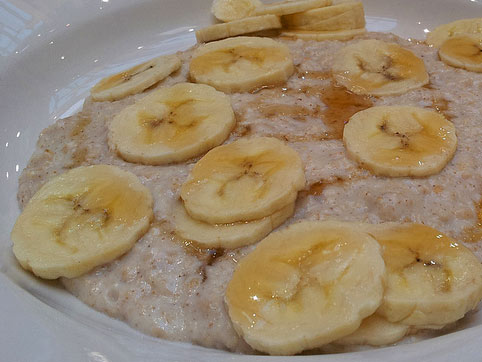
431, 279
305, 286
238, 27
464, 26
463, 51
241, 64
378, 68
172, 124
400, 141
135, 79
290, 7
337, 17
323, 35
244, 180
83, 218
229, 10
375, 331
227, 236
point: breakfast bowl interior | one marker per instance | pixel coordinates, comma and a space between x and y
52, 54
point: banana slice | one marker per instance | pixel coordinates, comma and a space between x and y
431, 279
172, 124
290, 7
243, 181
241, 64
229, 10
463, 51
464, 26
375, 331
83, 218
323, 35
238, 27
337, 17
227, 236
305, 286
400, 141
378, 68
135, 79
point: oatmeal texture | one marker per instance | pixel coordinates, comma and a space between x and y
167, 287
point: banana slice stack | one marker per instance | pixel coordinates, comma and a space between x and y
459, 43
237, 193
83, 218
375, 67
315, 283
172, 124
307, 19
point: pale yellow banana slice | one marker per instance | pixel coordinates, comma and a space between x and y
172, 124
375, 331
464, 26
227, 236
400, 141
135, 79
337, 17
83, 218
244, 180
241, 64
431, 279
229, 10
463, 51
238, 27
378, 68
305, 286
323, 35
290, 7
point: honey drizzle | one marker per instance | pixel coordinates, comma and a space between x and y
473, 234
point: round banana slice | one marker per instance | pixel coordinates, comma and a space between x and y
375, 331
172, 124
290, 7
378, 68
83, 218
323, 35
431, 279
135, 79
343, 16
238, 27
229, 10
227, 236
241, 64
304, 286
464, 26
242, 181
400, 141
463, 51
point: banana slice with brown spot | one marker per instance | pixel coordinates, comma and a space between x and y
305, 286
227, 236
135, 79
459, 27
431, 278
343, 16
463, 51
172, 124
229, 10
238, 27
375, 331
323, 35
400, 141
83, 218
241, 64
290, 7
378, 68
243, 181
